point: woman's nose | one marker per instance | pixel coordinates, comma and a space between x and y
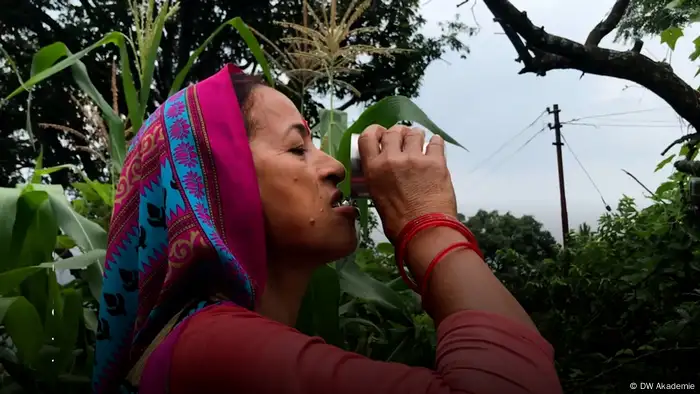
333, 170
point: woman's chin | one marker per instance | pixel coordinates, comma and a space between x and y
340, 245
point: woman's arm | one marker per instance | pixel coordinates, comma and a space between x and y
461, 281
229, 349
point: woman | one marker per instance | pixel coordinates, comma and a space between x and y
223, 210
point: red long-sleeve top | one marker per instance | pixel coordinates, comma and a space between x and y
228, 349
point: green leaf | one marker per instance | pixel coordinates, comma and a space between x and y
51, 53
358, 284
664, 187
90, 318
34, 231
675, 4
664, 162
23, 325
45, 59
330, 128
8, 207
28, 118
149, 64
624, 352
50, 170
87, 234
78, 262
385, 248
670, 36
386, 113
92, 190
250, 40
64, 242
398, 284
34, 290
36, 177
363, 207
10, 280
104, 190
93, 276
70, 326
318, 315
357, 320
53, 316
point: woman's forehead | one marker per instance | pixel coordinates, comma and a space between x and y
274, 106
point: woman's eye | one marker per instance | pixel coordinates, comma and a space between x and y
299, 150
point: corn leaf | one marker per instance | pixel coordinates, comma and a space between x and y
8, 207
87, 234
330, 128
45, 66
386, 113
250, 40
34, 231
318, 315
150, 62
10, 280
78, 262
23, 325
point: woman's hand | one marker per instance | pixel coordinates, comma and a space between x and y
403, 182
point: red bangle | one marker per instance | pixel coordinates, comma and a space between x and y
421, 223
438, 258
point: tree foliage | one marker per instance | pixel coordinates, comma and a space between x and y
29, 25
651, 17
523, 235
619, 304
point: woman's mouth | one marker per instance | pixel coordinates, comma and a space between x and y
345, 206
343, 202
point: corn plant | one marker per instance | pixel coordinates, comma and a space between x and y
149, 22
317, 54
46, 327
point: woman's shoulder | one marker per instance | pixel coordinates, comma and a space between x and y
231, 346
218, 317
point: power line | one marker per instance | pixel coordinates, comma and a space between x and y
526, 143
504, 160
624, 125
568, 146
673, 122
605, 115
505, 144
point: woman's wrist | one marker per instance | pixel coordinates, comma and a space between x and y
427, 244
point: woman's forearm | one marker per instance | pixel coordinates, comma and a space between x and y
461, 281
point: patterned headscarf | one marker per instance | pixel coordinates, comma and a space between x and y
187, 206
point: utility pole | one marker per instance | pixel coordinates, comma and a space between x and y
560, 167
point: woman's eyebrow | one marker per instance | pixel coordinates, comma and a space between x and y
299, 128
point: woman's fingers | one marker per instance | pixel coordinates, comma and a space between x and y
368, 143
436, 147
413, 141
392, 140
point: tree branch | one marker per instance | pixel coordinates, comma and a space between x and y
608, 24
551, 52
348, 103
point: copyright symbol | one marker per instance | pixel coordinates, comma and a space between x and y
633, 386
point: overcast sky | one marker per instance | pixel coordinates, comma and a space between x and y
482, 102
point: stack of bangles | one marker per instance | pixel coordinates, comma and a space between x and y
431, 220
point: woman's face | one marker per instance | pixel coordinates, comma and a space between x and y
298, 184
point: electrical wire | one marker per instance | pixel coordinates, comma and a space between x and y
526, 143
605, 115
505, 144
624, 125
568, 146
504, 160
